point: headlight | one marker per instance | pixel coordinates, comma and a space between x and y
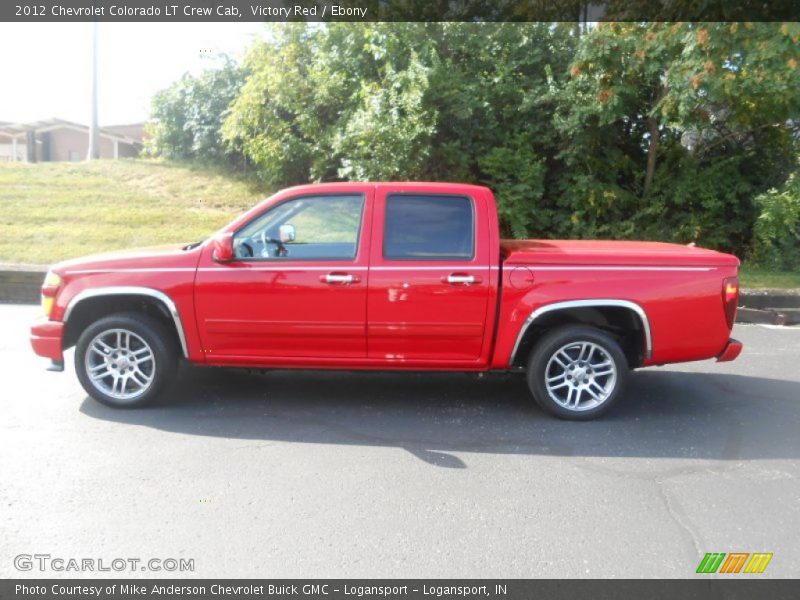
52, 279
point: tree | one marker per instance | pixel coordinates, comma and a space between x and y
186, 118
776, 238
444, 101
629, 130
672, 101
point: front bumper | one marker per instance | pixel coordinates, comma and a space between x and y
47, 339
732, 349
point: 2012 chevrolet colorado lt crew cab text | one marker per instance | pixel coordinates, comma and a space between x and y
389, 276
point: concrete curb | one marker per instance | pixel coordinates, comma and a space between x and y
774, 307
756, 315
770, 299
20, 285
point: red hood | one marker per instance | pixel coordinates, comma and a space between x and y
583, 252
166, 256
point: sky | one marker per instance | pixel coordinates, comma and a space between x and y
45, 68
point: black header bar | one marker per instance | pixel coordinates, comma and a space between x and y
397, 10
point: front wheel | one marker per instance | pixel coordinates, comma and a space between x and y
577, 372
125, 360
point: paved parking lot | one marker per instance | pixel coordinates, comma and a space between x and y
349, 475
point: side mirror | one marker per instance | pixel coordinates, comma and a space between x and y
222, 248
287, 233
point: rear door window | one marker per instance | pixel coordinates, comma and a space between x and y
429, 227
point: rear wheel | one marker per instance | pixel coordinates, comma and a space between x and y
125, 360
577, 372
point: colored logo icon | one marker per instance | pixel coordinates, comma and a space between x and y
734, 562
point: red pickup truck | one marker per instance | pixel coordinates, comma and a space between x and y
389, 276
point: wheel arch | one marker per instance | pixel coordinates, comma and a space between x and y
89, 305
624, 319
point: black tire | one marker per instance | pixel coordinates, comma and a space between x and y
571, 380
148, 334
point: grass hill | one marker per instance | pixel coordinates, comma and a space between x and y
53, 211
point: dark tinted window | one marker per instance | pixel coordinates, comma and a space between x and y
428, 228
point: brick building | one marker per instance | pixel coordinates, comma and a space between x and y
59, 140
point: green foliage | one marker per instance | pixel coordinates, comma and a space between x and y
187, 116
517, 177
707, 202
776, 242
402, 100
388, 134
731, 78
627, 130
674, 128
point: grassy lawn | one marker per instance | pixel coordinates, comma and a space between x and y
53, 211
759, 279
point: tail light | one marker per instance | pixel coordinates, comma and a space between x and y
730, 298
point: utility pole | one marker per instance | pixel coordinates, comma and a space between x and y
94, 133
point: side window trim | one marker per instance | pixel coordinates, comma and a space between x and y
449, 258
359, 232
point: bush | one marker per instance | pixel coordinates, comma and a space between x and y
709, 203
776, 241
186, 117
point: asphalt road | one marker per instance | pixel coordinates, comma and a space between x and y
372, 475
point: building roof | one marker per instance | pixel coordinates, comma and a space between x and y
132, 130
20, 129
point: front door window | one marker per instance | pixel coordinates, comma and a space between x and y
307, 228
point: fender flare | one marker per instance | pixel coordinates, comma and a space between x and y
158, 295
589, 303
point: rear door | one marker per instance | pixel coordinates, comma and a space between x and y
430, 276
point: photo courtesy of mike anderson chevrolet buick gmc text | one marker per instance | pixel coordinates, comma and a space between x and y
389, 276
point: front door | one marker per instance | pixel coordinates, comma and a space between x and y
297, 287
430, 283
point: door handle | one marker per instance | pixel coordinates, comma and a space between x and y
339, 278
461, 279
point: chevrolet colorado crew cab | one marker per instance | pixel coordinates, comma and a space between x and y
389, 276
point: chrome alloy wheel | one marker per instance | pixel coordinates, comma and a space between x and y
580, 376
120, 363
